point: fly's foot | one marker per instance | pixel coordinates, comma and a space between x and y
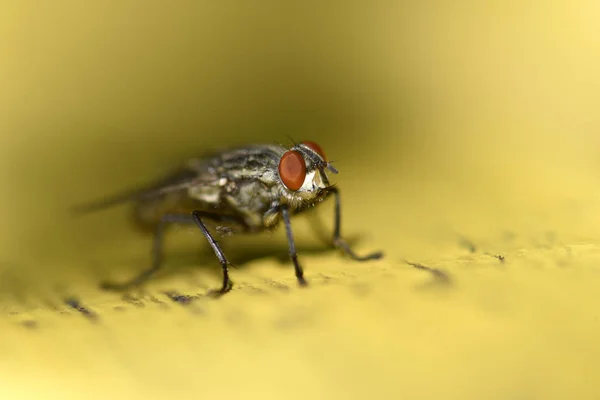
123, 287
302, 282
216, 293
134, 283
341, 244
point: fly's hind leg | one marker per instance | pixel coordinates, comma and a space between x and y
157, 250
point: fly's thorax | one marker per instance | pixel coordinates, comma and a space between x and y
250, 197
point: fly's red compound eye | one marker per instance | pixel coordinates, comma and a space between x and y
292, 170
316, 148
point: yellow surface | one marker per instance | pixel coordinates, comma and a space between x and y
462, 131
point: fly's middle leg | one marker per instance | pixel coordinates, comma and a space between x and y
227, 284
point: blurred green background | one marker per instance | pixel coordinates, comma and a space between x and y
448, 121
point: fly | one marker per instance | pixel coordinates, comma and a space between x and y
242, 190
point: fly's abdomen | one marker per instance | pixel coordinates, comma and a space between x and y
148, 213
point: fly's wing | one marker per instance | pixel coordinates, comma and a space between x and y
176, 181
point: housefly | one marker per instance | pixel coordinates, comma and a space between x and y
242, 190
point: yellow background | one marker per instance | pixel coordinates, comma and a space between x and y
456, 126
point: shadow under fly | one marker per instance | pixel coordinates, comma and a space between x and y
241, 190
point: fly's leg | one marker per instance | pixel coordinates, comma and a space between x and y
157, 250
339, 242
227, 284
292, 246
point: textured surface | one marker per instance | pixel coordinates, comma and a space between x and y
466, 139
526, 327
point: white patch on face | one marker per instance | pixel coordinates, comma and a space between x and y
312, 181
318, 180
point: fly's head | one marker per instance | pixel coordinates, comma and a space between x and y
303, 176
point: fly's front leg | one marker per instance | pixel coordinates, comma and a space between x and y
339, 242
292, 246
